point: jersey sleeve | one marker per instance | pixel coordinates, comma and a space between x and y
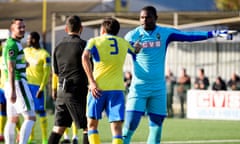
11, 51
131, 49
54, 81
92, 48
177, 35
90, 44
46, 69
129, 38
2, 79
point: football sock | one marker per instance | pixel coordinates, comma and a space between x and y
154, 135
31, 137
74, 131
54, 138
117, 140
93, 137
9, 133
85, 138
2, 123
18, 126
25, 131
43, 125
127, 135
65, 134
155, 128
132, 120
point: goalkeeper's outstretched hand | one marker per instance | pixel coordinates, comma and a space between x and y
228, 34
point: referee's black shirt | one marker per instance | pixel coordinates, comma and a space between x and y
67, 62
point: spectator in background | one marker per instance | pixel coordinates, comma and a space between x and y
234, 82
127, 80
170, 82
201, 82
183, 85
219, 84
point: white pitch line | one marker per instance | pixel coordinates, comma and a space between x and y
193, 142
202, 141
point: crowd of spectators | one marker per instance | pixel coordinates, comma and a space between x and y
179, 86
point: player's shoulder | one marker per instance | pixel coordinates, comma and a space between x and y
11, 42
83, 42
26, 49
165, 28
97, 39
136, 30
134, 33
121, 39
43, 52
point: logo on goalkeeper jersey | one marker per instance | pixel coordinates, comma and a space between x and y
151, 44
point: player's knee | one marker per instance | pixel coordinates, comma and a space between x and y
42, 113
59, 130
156, 119
92, 124
132, 119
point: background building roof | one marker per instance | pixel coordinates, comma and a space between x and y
32, 12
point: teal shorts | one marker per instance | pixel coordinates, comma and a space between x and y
149, 101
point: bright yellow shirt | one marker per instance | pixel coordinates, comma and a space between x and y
39, 66
109, 53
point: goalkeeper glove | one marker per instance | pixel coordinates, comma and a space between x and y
221, 33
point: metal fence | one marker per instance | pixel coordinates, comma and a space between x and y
217, 58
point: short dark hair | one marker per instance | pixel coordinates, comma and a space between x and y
111, 25
202, 70
16, 19
35, 36
74, 23
150, 9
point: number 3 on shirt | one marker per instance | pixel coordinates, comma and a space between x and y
114, 46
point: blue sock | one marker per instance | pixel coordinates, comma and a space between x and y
132, 120
154, 136
127, 135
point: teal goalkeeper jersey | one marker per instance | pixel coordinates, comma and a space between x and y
149, 64
13, 51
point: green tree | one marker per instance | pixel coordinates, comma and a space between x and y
228, 5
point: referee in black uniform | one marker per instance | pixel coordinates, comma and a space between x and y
72, 91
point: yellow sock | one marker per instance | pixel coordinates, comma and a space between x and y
31, 137
74, 130
94, 138
65, 134
18, 126
43, 125
117, 141
2, 123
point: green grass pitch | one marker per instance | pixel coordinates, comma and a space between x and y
175, 130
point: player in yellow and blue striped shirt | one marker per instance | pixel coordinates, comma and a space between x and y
106, 82
38, 75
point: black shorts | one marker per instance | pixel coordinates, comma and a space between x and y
66, 113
